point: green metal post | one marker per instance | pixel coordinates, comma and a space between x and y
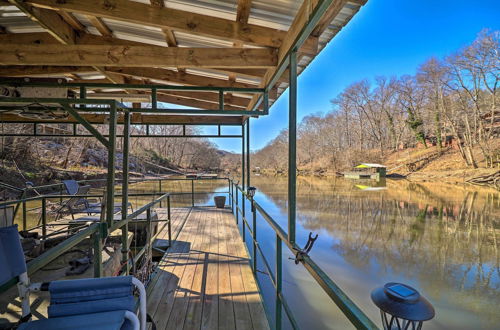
83, 95
97, 254
44, 218
159, 187
266, 102
110, 189
243, 156
149, 233
248, 152
236, 209
278, 281
254, 237
292, 147
221, 101
24, 216
232, 197
192, 192
169, 222
154, 97
125, 166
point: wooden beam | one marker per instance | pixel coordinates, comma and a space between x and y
175, 19
56, 26
49, 20
142, 56
98, 23
299, 23
137, 118
176, 77
192, 103
170, 38
232, 100
234, 103
73, 21
328, 17
243, 11
39, 38
251, 73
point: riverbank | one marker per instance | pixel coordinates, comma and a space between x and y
414, 164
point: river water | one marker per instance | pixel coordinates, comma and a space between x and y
441, 239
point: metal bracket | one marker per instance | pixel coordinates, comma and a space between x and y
299, 256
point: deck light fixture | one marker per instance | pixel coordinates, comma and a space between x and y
251, 191
401, 306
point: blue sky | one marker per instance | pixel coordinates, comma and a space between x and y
386, 37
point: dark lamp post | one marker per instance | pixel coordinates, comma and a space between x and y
401, 306
251, 191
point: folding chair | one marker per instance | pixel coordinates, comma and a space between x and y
97, 303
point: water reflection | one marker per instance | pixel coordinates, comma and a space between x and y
440, 238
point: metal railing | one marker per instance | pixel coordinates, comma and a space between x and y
353, 313
100, 230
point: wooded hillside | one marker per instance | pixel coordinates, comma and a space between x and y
449, 103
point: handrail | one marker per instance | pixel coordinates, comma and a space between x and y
353, 313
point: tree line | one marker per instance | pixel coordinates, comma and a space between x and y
454, 100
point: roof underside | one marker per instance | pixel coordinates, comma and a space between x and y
257, 31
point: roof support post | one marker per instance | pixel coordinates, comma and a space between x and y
110, 189
86, 124
248, 152
243, 160
292, 146
125, 168
221, 99
154, 98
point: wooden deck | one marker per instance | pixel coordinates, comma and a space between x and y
205, 281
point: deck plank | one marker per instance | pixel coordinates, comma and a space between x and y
226, 310
206, 282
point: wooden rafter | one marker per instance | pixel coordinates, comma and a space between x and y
50, 20
57, 27
143, 56
23, 71
243, 11
176, 77
99, 24
137, 119
139, 13
298, 24
72, 20
231, 102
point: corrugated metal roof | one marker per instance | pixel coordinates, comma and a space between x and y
277, 14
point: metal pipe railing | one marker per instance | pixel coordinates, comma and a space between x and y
353, 313
97, 232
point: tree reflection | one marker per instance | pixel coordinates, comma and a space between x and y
443, 236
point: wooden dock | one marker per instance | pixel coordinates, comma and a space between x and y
205, 280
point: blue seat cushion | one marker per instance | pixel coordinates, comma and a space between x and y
96, 321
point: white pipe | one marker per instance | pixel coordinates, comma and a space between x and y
133, 319
142, 301
24, 293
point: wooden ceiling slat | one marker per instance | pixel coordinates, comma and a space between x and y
177, 77
98, 23
50, 20
189, 22
243, 11
29, 71
298, 24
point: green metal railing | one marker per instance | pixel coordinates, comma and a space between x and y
353, 313
97, 232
